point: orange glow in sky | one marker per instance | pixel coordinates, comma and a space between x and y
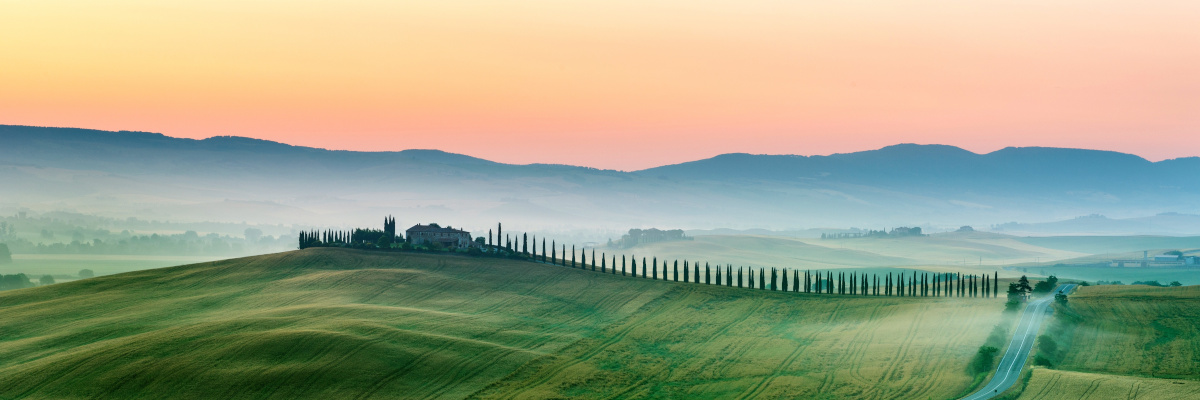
618, 84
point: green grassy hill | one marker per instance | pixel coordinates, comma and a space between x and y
333, 323
1136, 330
953, 249
1126, 341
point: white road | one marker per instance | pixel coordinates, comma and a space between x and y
1022, 343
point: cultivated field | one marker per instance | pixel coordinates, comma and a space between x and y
335, 323
1136, 330
956, 250
1048, 384
705, 342
321, 323
67, 266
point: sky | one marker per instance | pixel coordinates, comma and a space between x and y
618, 84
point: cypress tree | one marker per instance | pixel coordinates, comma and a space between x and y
499, 231
696, 272
564, 254
685, 271
796, 281
664, 271
739, 282
573, 256
996, 284
525, 243
603, 262
719, 281
674, 271
728, 274
553, 252
594, 258
543, 250
708, 274
783, 283
749, 278
654, 269
762, 281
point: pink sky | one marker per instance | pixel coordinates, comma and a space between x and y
615, 84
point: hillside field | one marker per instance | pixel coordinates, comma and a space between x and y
1136, 330
955, 250
1128, 342
1048, 384
335, 323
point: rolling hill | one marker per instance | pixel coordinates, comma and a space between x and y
1130, 342
335, 323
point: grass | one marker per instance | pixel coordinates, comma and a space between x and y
1112, 244
67, 266
1186, 276
1136, 330
334, 323
1047, 384
703, 342
958, 251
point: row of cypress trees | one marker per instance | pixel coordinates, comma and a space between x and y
914, 284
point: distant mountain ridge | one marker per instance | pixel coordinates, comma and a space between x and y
905, 184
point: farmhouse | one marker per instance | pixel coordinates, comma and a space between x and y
432, 233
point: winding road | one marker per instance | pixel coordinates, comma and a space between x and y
1022, 343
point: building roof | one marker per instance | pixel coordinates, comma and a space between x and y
431, 228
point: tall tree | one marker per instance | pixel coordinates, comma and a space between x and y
603, 263
594, 258
654, 269
499, 231
674, 271
996, 284
685, 271
544, 250
553, 252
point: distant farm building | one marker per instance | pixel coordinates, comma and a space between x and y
652, 235
432, 233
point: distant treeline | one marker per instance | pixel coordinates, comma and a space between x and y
70, 233
187, 243
894, 233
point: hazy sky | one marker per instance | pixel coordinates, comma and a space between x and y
614, 83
